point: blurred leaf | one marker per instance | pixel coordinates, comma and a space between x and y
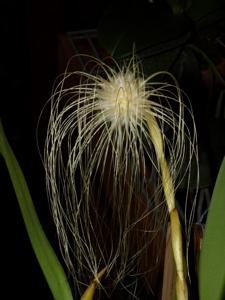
212, 267
179, 6
143, 27
206, 10
160, 62
47, 259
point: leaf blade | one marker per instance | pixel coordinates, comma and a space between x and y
45, 254
212, 269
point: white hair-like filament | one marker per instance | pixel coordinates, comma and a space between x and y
104, 178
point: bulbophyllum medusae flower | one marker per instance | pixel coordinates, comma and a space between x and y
117, 148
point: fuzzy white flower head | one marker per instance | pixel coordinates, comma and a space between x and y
122, 97
107, 140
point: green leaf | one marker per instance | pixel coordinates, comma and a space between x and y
204, 9
179, 6
212, 259
150, 29
47, 259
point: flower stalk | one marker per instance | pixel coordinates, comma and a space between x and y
168, 187
90, 291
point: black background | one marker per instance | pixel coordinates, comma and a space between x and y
28, 60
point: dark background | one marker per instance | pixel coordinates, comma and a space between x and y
28, 68
29, 64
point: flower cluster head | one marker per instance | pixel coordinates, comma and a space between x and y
121, 98
108, 137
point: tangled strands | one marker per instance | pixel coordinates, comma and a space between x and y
114, 156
